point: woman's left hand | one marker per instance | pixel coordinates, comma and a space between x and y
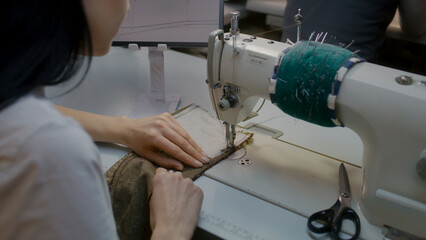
175, 205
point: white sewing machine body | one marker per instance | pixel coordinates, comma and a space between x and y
389, 117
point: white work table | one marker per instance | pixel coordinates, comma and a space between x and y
114, 85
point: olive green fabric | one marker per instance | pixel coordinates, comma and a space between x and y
130, 185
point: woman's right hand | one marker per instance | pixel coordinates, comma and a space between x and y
175, 205
160, 139
151, 137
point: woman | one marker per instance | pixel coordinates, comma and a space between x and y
51, 182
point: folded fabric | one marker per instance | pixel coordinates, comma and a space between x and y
130, 179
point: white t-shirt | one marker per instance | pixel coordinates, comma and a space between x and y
51, 181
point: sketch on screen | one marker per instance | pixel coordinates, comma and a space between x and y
170, 21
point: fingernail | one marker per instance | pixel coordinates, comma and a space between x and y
205, 154
205, 159
198, 163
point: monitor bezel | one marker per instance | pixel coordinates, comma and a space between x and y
175, 44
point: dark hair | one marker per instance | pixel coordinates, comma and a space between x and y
41, 44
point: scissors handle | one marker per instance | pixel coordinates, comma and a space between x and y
320, 222
345, 214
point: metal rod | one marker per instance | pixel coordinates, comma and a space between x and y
234, 29
298, 20
230, 135
234, 23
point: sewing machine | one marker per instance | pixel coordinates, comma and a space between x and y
384, 106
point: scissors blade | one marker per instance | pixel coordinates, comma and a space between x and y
344, 182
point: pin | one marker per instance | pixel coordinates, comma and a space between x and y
325, 35
349, 44
310, 37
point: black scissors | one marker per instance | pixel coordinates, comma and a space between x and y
331, 219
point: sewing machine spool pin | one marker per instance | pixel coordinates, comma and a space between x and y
235, 31
234, 23
298, 20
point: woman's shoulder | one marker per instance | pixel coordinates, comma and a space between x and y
34, 125
52, 159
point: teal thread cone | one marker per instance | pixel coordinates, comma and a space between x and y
305, 79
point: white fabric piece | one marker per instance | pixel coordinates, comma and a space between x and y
51, 181
211, 138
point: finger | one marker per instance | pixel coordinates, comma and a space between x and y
178, 174
185, 146
160, 170
159, 174
172, 149
164, 161
182, 132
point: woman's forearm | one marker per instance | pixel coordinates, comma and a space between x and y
101, 128
149, 137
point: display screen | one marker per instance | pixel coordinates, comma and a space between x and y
177, 23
